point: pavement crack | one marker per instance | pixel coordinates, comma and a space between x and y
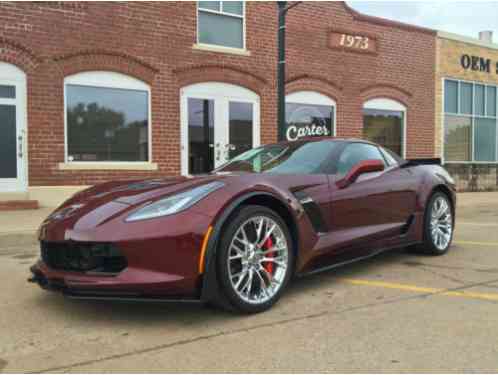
228, 332
426, 268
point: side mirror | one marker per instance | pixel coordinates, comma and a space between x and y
364, 166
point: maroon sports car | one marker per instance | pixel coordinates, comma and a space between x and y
236, 236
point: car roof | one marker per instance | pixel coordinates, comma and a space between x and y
328, 139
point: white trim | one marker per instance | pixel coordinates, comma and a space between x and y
222, 94
106, 79
309, 97
11, 75
466, 39
113, 80
314, 98
220, 49
386, 104
104, 165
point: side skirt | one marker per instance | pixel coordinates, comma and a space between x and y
340, 264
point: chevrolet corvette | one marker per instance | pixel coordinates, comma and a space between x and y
236, 236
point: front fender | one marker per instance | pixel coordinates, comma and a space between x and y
210, 290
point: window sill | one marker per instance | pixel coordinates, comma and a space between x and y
118, 166
221, 49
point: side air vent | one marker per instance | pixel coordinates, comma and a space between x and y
312, 211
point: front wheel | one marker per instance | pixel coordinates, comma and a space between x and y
438, 225
254, 259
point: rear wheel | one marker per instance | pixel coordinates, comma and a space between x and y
254, 259
438, 225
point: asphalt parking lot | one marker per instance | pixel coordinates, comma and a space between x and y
397, 312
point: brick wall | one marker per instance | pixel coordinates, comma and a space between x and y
153, 42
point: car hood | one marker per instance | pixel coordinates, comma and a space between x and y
104, 201
138, 191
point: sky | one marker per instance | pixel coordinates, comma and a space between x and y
460, 17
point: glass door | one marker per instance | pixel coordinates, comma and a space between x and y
219, 122
201, 142
12, 129
240, 129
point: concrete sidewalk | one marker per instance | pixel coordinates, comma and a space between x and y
22, 221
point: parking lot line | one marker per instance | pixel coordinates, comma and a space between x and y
477, 224
420, 289
478, 243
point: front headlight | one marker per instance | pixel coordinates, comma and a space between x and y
175, 203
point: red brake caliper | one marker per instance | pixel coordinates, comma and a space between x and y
268, 265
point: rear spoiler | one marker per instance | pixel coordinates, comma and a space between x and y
428, 161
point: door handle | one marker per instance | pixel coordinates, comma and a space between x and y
20, 146
229, 147
217, 151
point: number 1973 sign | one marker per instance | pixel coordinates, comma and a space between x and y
352, 42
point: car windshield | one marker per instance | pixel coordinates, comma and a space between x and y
290, 158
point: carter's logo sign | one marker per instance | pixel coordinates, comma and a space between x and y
479, 64
294, 131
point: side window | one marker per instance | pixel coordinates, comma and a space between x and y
354, 153
389, 157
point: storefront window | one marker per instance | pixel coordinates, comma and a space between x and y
451, 96
107, 117
466, 98
384, 122
309, 114
457, 138
221, 23
491, 101
472, 135
384, 128
485, 139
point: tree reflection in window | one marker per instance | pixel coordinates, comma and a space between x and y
106, 124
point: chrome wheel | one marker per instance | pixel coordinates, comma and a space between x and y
441, 225
258, 259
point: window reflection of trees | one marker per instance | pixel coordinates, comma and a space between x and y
98, 133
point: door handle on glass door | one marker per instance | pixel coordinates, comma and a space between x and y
217, 151
229, 147
20, 144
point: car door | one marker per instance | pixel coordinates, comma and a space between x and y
369, 211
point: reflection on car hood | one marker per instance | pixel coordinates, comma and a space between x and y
136, 192
110, 198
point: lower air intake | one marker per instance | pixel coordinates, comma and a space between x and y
83, 257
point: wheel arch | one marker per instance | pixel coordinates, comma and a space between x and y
209, 287
446, 191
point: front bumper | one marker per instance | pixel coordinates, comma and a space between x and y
130, 285
162, 258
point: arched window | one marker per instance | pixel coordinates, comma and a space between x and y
309, 113
218, 121
384, 122
107, 118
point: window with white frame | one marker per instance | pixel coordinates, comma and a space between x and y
221, 23
309, 114
470, 122
384, 122
107, 118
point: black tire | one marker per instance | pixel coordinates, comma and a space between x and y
229, 231
429, 246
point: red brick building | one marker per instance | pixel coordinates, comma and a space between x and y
97, 91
